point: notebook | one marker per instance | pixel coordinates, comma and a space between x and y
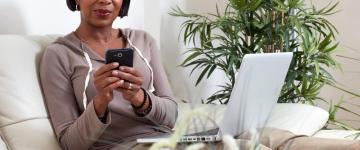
257, 87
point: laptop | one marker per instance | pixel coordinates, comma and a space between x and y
257, 87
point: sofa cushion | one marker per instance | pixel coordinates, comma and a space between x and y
300, 119
31, 134
20, 93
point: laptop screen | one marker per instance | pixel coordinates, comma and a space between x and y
257, 88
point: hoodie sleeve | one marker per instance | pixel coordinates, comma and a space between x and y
164, 107
74, 128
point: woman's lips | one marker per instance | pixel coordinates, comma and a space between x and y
102, 12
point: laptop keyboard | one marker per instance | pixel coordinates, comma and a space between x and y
204, 133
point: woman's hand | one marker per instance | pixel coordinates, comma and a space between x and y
130, 88
105, 82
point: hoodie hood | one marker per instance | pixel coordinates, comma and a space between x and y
75, 44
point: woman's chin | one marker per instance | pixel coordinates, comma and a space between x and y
104, 23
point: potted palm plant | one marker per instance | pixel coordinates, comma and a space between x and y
264, 26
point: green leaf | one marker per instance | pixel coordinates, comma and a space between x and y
254, 4
330, 10
317, 68
191, 57
239, 5
329, 50
324, 43
348, 110
212, 69
346, 91
202, 75
343, 125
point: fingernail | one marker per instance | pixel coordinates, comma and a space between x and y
121, 81
115, 64
122, 68
115, 73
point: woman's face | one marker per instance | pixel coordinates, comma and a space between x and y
99, 13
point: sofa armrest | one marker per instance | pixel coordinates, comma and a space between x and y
24, 122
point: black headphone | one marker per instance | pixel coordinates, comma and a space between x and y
123, 11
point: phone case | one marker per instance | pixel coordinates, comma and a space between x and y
124, 56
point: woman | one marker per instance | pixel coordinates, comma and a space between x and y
94, 105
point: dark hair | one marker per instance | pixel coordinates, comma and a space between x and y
123, 11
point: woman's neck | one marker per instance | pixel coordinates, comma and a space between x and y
101, 35
100, 39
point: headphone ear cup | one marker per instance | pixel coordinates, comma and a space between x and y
124, 8
71, 4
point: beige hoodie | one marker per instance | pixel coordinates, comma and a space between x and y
63, 71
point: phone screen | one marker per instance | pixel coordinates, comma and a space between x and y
124, 56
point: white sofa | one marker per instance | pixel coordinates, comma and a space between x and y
24, 123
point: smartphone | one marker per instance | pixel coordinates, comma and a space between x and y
124, 56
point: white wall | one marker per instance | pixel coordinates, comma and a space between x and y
347, 22
53, 17
172, 49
